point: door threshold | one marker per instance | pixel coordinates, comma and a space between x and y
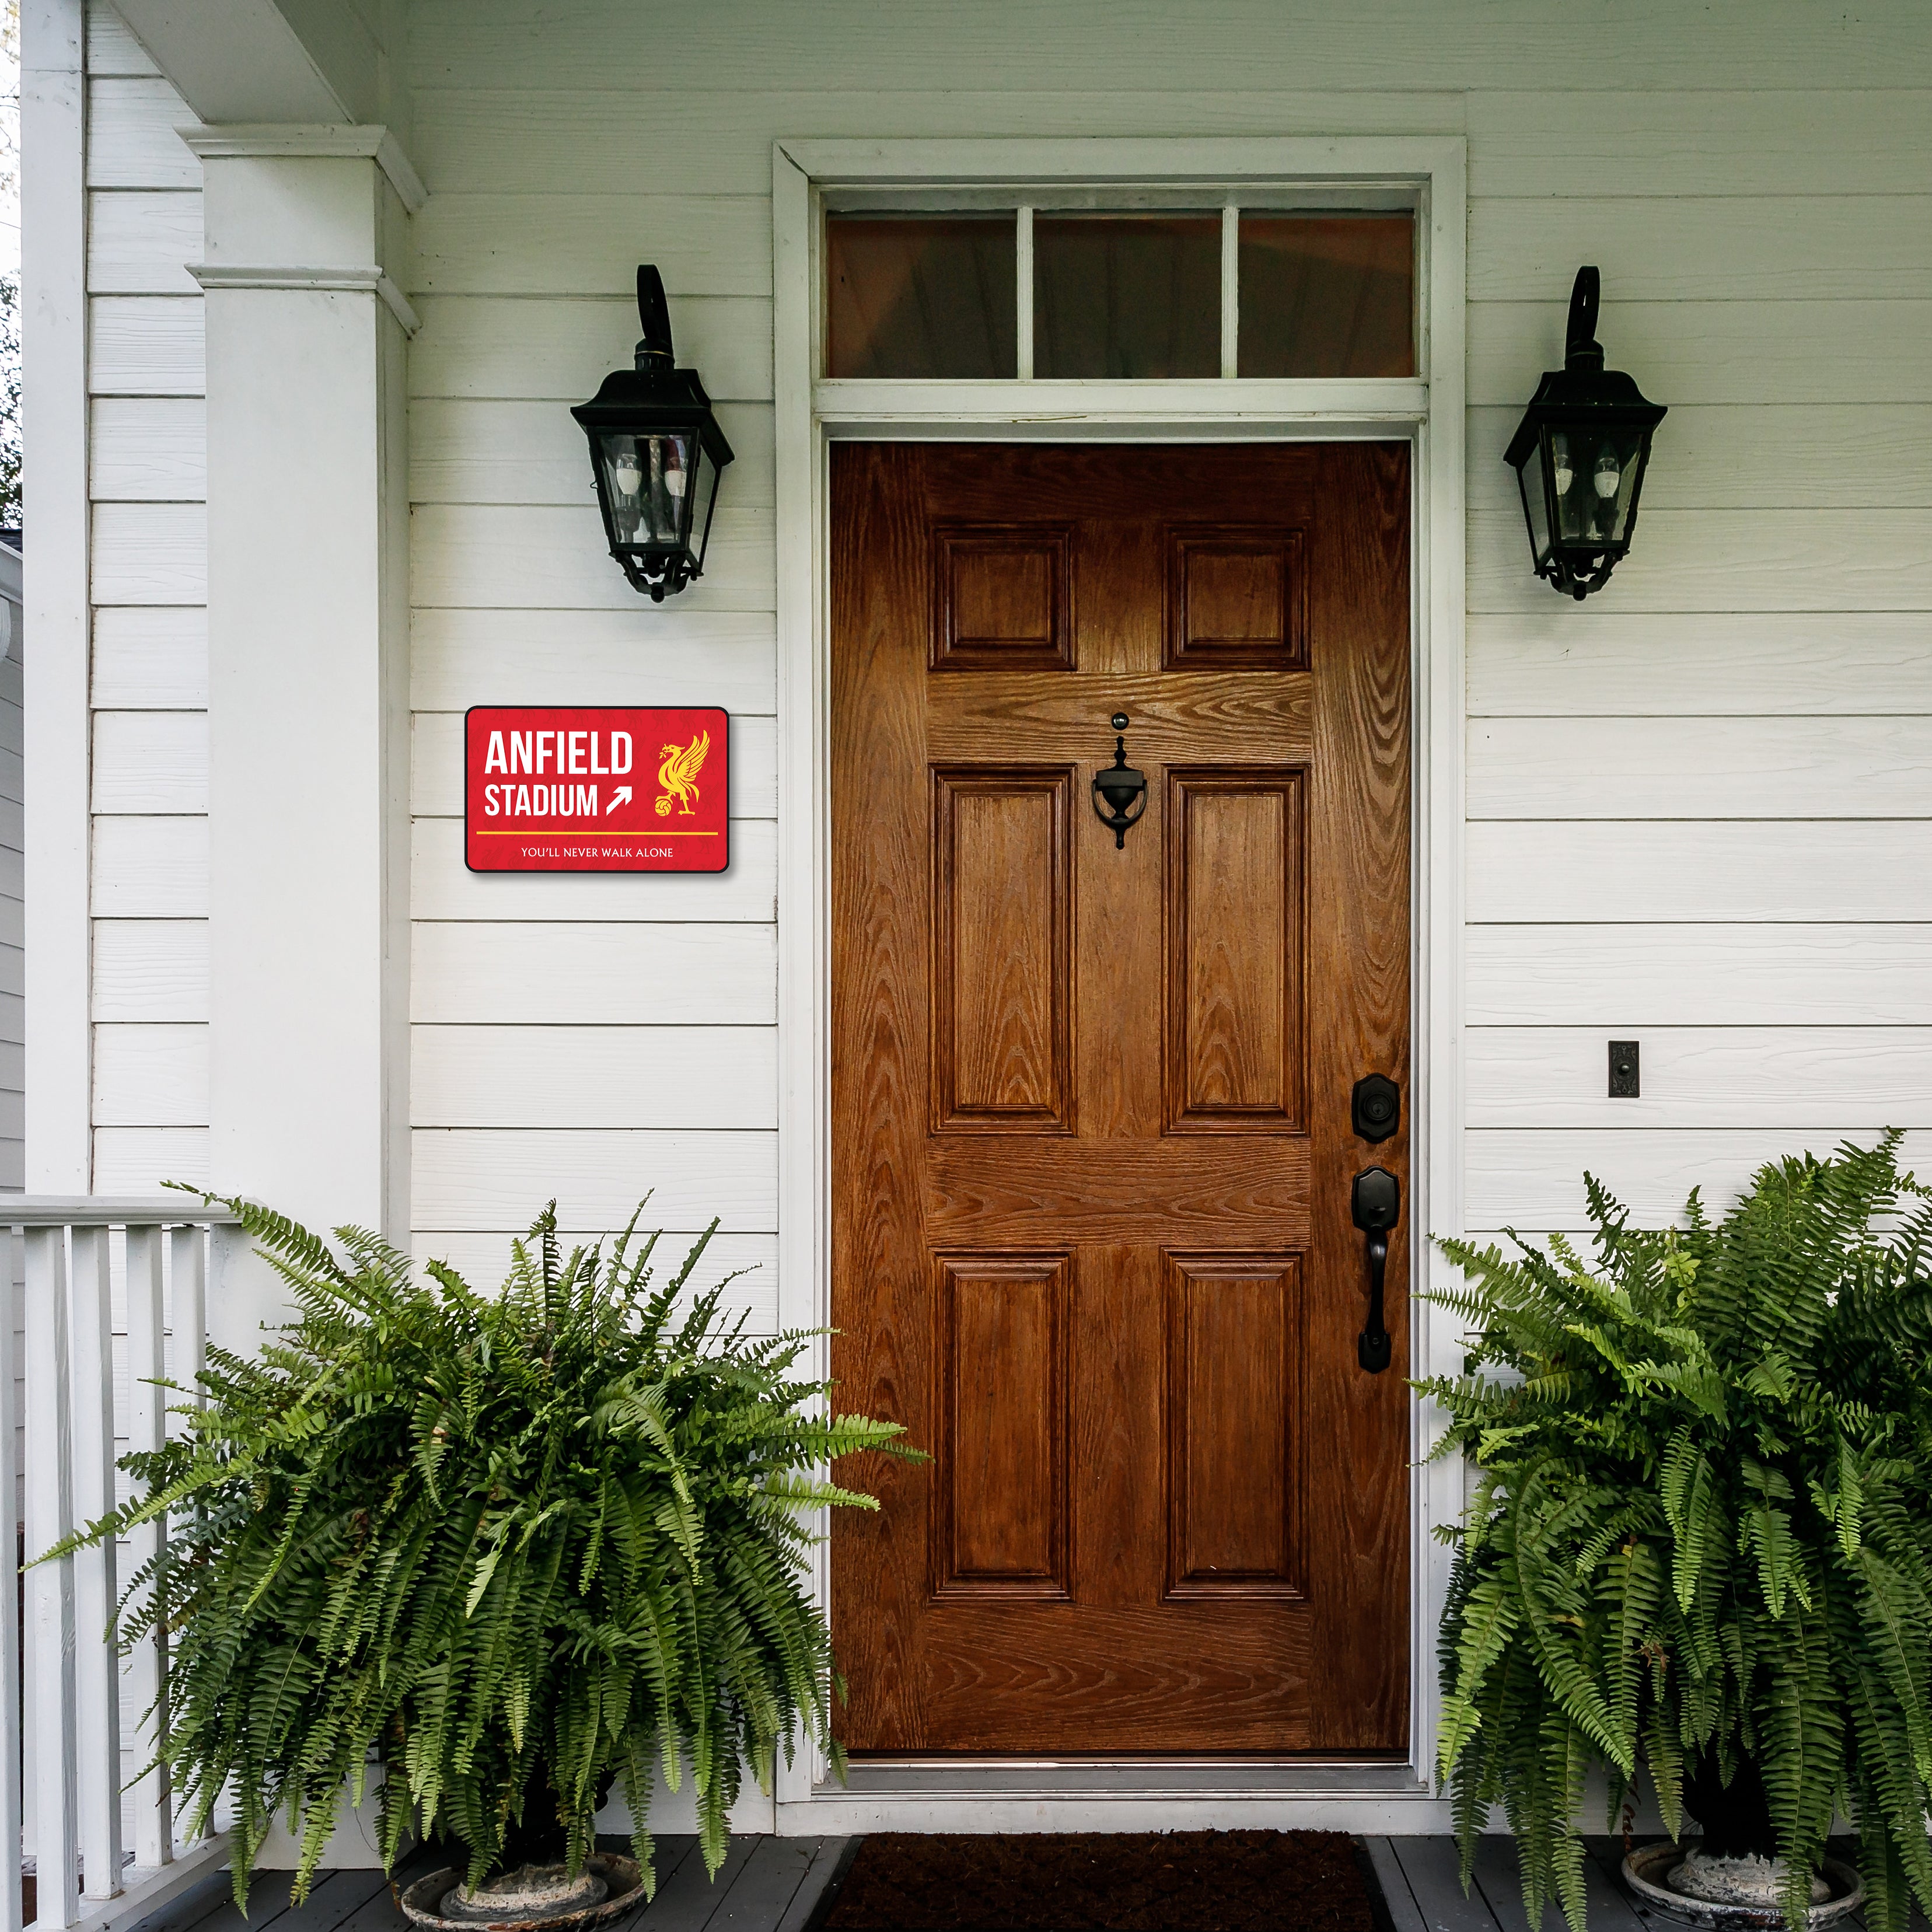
1125, 1778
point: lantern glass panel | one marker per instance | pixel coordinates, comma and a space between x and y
1535, 506
648, 480
704, 500
1595, 473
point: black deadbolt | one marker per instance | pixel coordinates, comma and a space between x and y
1375, 1107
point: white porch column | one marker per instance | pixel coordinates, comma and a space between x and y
308, 715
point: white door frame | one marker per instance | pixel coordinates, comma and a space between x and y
1428, 172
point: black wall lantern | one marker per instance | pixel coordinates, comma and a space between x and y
1578, 454
657, 453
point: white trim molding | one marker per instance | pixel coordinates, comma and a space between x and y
321, 140
1428, 174
358, 281
55, 618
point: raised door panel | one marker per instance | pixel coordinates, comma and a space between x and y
1002, 946
1233, 1414
999, 1523
1237, 600
1002, 598
1236, 965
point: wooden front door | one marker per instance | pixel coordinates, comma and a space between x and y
1092, 1152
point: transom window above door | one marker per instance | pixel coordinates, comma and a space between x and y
1036, 293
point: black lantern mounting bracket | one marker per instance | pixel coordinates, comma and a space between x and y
657, 455
1579, 454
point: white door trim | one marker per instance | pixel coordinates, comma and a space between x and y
1429, 411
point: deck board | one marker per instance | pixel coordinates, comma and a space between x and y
1434, 1881
1404, 1915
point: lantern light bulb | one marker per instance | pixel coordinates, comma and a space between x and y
627, 475
1609, 475
1559, 456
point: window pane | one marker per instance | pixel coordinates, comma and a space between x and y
1127, 295
920, 296
1327, 295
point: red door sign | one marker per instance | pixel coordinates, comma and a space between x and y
552, 788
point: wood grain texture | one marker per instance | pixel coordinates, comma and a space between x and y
1234, 1050
1847, 349
150, 761
1667, 143
111, 48
441, 886
641, 654
150, 969
1003, 597
1237, 599
140, 244
1737, 1077
1682, 248
1749, 870
1730, 560
137, 1161
150, 1076
548, 558
1287, 793
151, 657
1246, 45
532, 139
1535, 1179
1583, 768
1768, 456
559, 349
593, 975
1003, 1328
500, 1178
132, 140
580, 245
1002, 898
1623, 977
148, 449
593, 1076
150, 553
466, 450
149, 867
1234, 1402
1562, 661
146, 346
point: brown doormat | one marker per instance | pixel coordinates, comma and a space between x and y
1104, 1882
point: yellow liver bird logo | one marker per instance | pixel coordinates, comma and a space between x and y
679, 773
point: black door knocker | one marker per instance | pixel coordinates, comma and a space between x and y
1116, 786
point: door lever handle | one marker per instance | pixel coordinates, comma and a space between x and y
1376, 1203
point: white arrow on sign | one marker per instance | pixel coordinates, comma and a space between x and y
622, 796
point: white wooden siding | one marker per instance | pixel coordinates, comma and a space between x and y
1697, 803
148, 471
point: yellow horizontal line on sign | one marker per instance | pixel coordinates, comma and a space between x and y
491, 831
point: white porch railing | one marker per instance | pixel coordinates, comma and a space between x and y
87, 1723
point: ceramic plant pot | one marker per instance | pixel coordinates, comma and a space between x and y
531, 1898
1721, 1894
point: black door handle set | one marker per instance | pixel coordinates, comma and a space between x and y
1375, 1202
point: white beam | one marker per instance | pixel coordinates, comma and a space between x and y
53, 247
264, 60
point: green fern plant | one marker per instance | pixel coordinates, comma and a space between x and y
521, 1546
1699, 1536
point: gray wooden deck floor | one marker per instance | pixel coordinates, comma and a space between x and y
776, 1885
765, 1885
1424, 1893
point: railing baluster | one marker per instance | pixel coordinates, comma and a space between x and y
10, 1752
50, 1585
188, 1267
96, 1662
147, 1414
